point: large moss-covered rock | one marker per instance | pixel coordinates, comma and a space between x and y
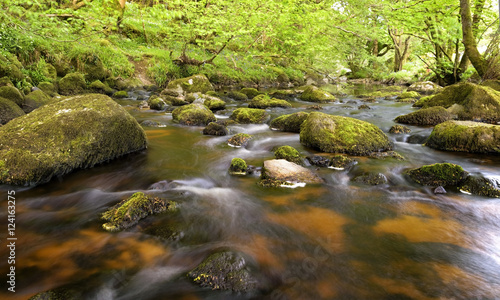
442, 174
288, 153
238, 96
465, 136
481, 186
249, 115
408, 94
76, 133
250, 92
281, 170
195, 114
9, 110
71, 84
289, 123
339, 134
34, 100
157, 103
12, 94
130, 211
214, 128
426, 116
224, 271
10, 67
468, 101
264, 101
494, 84
196, 83
213, 103
48, 88
314, 94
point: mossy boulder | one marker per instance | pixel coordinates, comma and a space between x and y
339, 134
213, 103
71, 84
214, 128
120, 94
239, 140
58, 138
479, 185
289, 153
441, 174
264, 101
10, 67
98, 86
12, 94
5, 81
130, 211
238, 96
34, 100
426, 116
425, 87
407, 95
196, 83
371, 179
364, 106
224, 271
283, 94
494, 84
314, 94
468, 101
341, 162
386, 154
250, 92
48, 88
465, 136
399, 129
157, 103
281, 170
238, 167
249, 115
195, 114
9, 110
289, 123
174, 101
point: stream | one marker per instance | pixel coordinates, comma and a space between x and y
338, 240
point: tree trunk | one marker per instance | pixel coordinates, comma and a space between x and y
401, 48
469, 40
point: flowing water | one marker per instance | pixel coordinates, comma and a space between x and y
339, 240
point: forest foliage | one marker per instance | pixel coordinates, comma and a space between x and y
252, 40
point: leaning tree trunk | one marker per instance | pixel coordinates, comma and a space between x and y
469, 40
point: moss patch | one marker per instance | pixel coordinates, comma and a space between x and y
55, 139
481, 186
249, 115
195, 114
12, 94
465, 136
196, 83
213, 103
35, 100
426, 116
289, 123
238, 167
289, 153
442, 174
8, 111
157, 103
341, 162
339, 134
314, 94
120, 94
250, 92
407, 95
214, 128
130, 211
264, 101
71, 84
398, 129
238, 96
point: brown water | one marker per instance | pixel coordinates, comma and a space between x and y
340, 240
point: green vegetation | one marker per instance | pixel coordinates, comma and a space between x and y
9, 110
426, 116
289, 123
238, 167
195, 114
289, 153
264, 101
443, 174
249, 115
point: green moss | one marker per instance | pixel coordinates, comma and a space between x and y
426, 116
465, 136
90, 64
237, 96
422, 101
157, 103
249, 115
406, 95
130, 211
76, 133
339, 134
371, 179
8, 111
175, 101
214, 128
250, 92
494, 84
48, 88
441, 174
289, 123
239, 139
214, 103
195, 114
289, 153
196, 83
10, 67
341, 162
238, 167
120, 94
71, 84
34, 100
12, 94
481, 186
313, 94
5, 81
283, 94
263, 101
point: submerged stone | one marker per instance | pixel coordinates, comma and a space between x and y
465, 136
337, 134
426, 116
130, 211
249, 115
76, 133
224, 271
195, 114
440, 174
289, 123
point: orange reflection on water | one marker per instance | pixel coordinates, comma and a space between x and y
299, 194
400, 287
261, 248
157, 133
320, 224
